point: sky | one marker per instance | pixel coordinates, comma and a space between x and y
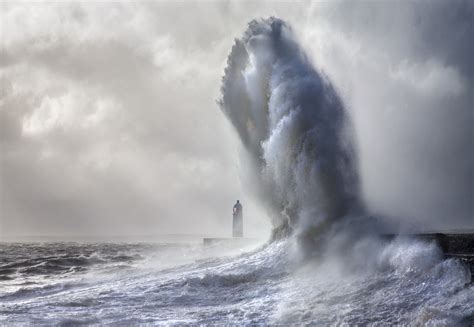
110, 123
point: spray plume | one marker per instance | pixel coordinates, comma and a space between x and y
294, 127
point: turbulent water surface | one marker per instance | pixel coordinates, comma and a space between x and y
318, 268
58, 283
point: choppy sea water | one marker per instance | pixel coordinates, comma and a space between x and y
405, 282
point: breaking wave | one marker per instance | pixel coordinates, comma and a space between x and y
405, 283
295, 129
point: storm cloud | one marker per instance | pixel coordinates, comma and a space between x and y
109, 121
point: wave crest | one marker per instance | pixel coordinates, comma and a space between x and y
294, 127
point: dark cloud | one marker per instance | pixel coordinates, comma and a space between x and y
109, 123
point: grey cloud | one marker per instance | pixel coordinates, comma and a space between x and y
164, 159
406, 71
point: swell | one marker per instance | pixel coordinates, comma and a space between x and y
26, 260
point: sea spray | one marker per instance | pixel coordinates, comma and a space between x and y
295, 129
297, 134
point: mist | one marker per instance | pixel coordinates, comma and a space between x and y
294, 128
110, 126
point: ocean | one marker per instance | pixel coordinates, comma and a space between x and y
403, 282
326, 263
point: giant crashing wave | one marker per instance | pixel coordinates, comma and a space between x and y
295, 129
